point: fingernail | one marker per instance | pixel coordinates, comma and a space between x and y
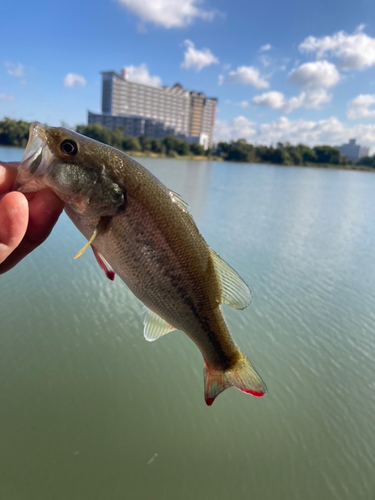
2, 173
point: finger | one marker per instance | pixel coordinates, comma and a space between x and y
8, 174
10, 163
14, 215
44, 210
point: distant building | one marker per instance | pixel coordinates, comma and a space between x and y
155, 111
134, 125
353, 151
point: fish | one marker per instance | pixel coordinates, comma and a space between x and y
144, 232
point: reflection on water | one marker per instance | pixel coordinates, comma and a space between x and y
90, 410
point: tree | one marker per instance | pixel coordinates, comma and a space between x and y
172, 153
131, 144
368, 161
241, 151
294, 154
197, 149
327, 154
157, 146
145, 143
183, 148
97, 132
280, 156
14, 132
116, 137
223, 149
308, 155
263, 153
171, 143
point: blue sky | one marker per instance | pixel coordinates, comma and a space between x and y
299, 71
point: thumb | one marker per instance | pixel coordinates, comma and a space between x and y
14, 217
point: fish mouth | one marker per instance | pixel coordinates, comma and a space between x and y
33, 151
30, 170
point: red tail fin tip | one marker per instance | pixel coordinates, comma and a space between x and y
242, 376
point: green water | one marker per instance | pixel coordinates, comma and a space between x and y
91, 411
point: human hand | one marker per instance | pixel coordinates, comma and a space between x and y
25, 219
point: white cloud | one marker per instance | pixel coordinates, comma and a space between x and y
355, 51
359, 107
293, 103
274, 100
330, 131
72, 79
245, 75
313, 75
140, 74
265, 48
168, 13
197, 59
6, 97
311, 99
242, 104
296, 131
238, 128
15, 69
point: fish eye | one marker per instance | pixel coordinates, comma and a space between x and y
69, 147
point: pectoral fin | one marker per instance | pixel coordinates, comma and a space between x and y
103, 264
99, 229
155, 326
234, 291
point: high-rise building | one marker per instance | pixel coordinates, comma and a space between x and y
155, 111
353, 151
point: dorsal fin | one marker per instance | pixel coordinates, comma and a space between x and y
154, 326
185, 207
234, 291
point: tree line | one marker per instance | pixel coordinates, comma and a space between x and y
367, 161
169, 145
16, 132
283, 154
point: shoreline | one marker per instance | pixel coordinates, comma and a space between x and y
360, 168
177, 157
327, 166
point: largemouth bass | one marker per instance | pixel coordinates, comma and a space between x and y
143, 231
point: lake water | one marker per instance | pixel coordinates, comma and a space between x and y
91, 411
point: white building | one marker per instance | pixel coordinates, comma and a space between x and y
134, 125
353, 151
155, 111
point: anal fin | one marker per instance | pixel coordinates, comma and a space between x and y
154, 326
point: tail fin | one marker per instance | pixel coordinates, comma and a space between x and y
242, 375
